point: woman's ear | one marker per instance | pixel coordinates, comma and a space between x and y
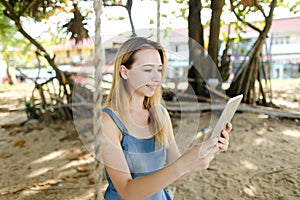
123, 72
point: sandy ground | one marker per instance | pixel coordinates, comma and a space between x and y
48, 161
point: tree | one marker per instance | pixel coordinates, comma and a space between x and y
7, 33
214, 30
15, 10
251, 70
195, 29
196, 37
39, 10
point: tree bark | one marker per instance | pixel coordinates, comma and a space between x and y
195, 31
214, 32
225, 59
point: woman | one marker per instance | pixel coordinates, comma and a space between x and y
139, 150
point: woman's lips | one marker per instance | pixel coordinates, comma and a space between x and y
152, 86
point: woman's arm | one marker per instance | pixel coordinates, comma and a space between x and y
143, 187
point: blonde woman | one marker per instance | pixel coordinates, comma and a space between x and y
138, 147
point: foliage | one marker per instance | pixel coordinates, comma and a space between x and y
40, 10
7, 29
37, 9
10, 45
295, 8
76, 26
18, 11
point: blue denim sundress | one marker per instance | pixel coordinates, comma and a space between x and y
142, 159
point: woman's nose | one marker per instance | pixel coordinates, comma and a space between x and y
156, 76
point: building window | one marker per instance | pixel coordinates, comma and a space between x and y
282, 40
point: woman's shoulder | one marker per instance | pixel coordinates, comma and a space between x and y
107, 118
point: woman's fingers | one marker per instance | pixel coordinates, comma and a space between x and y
225, 135
223, 141
228, 127
222, 147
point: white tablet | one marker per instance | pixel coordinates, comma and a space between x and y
226, 116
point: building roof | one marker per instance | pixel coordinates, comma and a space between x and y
286, 25
283, 25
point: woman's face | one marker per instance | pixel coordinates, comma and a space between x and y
145, 74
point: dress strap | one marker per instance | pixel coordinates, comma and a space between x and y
116, 119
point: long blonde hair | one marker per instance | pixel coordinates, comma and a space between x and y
119, 95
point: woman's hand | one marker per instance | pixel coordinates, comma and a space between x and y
199, 156
223, 140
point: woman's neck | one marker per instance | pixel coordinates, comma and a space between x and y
136, 103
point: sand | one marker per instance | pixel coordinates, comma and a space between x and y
48, 161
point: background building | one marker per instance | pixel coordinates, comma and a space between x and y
281, 50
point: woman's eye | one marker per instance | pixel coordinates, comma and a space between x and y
160, 70
147, 70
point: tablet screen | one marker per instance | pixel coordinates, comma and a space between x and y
226, 115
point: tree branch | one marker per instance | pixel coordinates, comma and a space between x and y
11, 10
114, 4
262, 11
241, 20
28, 7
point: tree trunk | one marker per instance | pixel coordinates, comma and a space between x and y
245, 82
11, 79
225, 66
195, 30
214, 32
